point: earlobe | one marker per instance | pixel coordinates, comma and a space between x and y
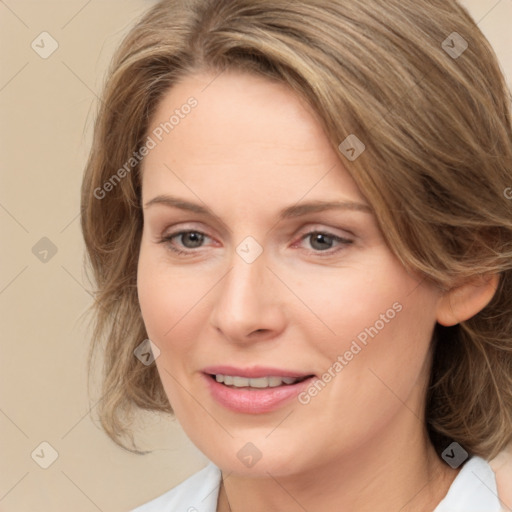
465, 301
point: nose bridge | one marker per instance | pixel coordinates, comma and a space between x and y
243, 290
246, 300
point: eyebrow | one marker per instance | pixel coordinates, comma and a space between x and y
289, 212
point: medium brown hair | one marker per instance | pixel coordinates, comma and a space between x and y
436, 168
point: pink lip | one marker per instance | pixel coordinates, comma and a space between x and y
253, 401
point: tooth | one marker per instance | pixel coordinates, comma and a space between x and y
240, 382
274, 381
262, 382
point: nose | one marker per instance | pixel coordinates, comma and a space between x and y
249, 303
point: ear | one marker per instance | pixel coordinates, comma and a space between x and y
464, 301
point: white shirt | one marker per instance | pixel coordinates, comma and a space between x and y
473, 490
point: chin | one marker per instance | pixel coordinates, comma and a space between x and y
254, 460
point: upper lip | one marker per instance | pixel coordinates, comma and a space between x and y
254, 372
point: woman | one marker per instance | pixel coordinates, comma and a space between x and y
303, 206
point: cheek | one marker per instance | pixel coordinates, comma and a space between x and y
174, 302
379, 319
382, 364
391, 320
356, 300
166, 300
153, 299
384, 348
163, 295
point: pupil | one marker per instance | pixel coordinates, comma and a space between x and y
195, 239
319, 237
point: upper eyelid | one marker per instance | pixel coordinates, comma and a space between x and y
314, 228
307, 218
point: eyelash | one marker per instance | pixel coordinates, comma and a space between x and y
343, 241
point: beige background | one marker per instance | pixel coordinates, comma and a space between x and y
46, 113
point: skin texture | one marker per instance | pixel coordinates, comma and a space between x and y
502, 466
249, 149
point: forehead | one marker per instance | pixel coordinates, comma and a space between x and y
244, 130
243, 108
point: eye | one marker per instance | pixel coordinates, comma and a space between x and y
322, 241
189, 239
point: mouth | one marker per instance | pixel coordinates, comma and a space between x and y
257, 390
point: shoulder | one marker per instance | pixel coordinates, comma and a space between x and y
473, 490
198, 493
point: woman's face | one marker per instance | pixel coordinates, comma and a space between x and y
268, 282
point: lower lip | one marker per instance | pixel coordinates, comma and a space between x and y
254, 401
